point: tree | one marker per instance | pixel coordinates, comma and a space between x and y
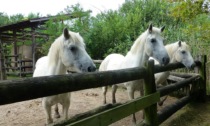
4, 19
55, 26
195, 24
116, 31
16, 18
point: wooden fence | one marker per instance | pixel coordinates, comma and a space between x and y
30, 88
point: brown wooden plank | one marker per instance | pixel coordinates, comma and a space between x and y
30, 88
150, 113
110, 116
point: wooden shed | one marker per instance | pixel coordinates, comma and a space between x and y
13, 62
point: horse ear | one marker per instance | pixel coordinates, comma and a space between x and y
162, 29
150, 28
66, 33
180, 43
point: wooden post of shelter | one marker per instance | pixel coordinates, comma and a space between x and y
149, 88
33, 48
2, 68
0, 63
15, 47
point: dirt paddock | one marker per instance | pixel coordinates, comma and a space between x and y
30, 113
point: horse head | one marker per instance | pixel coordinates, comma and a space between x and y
183, 55
154, 45
74, 54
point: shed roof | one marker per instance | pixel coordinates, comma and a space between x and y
28, 23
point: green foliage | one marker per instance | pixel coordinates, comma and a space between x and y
54, 29
187, 10
33, 15
4, 19
55, 26
115, 31
194, 24
197, 33
16, 18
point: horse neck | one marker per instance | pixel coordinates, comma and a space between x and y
137, 54
171, 52
55, 65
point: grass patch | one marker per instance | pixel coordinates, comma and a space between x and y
194, 114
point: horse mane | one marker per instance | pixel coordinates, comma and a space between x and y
171, 48
58, 44
142, 38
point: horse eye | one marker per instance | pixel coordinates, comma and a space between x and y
153, 40
183, 52
73, 48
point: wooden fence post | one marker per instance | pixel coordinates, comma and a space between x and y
149, 88
202, 71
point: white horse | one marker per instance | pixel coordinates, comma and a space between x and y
178, 52
148, 44
66, 51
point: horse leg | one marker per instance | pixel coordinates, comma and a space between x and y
141, 90
65, 109
66, 105
131, 96
114, 89
47, 109
141, 93
160, 103
57, 115
104, 89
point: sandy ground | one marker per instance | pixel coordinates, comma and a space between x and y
30, 113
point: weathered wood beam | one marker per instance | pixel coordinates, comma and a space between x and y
30, 88
172, 66
15, 45
175, 78
33, 47
2, 65
173, 87
183, 75
97, 61
150, 112
86, 114
118, 112
202, 72
10, 35
167, 111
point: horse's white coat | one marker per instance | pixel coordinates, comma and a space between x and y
148, 44
178, 52
66, 51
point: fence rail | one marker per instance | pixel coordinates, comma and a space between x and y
30, 88
25, 89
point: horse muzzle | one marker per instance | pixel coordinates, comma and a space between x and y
91, 68
165, 60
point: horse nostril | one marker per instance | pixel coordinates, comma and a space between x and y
91, 68
165, 60
193, 65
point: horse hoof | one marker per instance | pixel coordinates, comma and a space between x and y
114, 101
134, 122
104, 103
57, 116
160, 103
49, 121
